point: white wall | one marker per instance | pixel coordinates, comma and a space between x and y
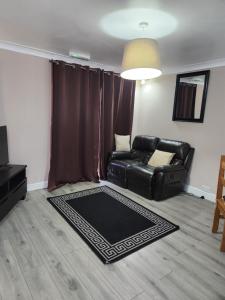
25, 107
153, 116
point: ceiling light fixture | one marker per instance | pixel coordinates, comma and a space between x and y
141, 59
123, 23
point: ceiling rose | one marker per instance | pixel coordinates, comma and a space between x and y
127, 24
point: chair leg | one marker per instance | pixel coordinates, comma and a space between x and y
216, 220
222, 248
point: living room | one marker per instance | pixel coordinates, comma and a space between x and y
111, 143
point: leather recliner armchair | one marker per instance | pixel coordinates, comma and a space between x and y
131, 170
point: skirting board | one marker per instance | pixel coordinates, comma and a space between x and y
37, 186
199, 193
188, 188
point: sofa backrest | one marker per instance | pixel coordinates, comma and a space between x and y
181, 149
143, 147
145, 143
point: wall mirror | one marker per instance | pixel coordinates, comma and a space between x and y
190, 96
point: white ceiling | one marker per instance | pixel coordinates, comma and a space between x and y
62, 25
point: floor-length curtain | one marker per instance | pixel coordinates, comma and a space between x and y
116, 114
186, 100
75, 124
125, 110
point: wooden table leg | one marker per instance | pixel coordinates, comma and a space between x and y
216, 220
222, 248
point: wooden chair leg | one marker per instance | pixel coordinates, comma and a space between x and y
216, 220
222, 248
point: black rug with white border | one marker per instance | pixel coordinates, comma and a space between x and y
112, 224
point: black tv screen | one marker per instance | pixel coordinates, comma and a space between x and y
4, 156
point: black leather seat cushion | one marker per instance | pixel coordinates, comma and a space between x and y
180, 149
123, 163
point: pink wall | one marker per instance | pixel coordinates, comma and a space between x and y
25, 102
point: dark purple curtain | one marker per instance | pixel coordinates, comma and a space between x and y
75, 124
186, 100
117, 107
88, 107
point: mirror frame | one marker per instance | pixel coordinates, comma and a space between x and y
204, 96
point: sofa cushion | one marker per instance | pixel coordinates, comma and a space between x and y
116, 165
160, 158
180, 149
122, 142
145, 143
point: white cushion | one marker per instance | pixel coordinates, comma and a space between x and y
122, 142
160, 158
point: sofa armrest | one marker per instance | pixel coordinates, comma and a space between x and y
169, 169
120, 155
189, 158
168, 181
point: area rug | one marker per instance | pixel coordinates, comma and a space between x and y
112, 224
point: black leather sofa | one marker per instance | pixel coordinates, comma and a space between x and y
131, 170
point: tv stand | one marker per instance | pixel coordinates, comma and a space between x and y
13, 187
5, 167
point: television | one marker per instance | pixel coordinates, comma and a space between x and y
4, 156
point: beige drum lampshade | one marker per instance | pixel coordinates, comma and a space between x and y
141, 60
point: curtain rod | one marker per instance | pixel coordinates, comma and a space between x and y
82, 67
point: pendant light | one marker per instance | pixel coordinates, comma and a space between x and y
141, 60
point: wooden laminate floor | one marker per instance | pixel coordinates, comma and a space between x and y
42, 257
